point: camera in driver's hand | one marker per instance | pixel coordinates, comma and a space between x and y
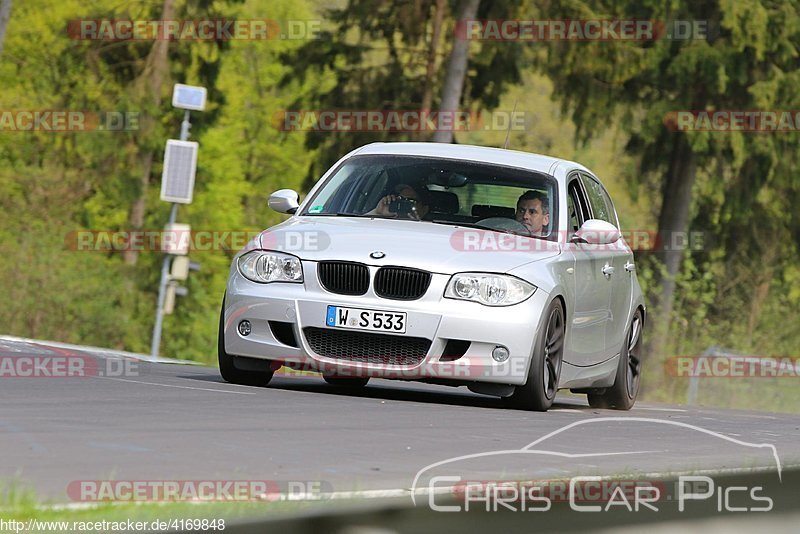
403, 206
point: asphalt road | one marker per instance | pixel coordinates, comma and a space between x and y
161, 421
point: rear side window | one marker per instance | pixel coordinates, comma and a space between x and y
602, 208
577, 209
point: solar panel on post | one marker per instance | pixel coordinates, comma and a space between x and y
180, 165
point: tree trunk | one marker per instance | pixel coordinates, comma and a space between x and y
433, 49
673, 222
760, 294
5, 15
456, 71
148, 85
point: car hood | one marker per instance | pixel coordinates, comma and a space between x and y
432, 247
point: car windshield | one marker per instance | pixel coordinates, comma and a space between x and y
441, 191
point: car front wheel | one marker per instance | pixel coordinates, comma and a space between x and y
540, 390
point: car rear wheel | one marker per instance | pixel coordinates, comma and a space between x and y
346, 381
228, 369
540, 390
622, 395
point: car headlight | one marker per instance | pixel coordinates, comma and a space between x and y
265, 266
488, 289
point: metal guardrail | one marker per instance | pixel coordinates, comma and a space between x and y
694, 381
715, 352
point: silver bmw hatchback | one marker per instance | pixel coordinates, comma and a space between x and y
498, 270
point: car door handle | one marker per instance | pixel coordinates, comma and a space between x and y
608, 270
630, 267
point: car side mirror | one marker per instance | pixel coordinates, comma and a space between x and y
596, 232
284, 201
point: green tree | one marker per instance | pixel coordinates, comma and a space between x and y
744, 62
54, 184
381, 55
243, 158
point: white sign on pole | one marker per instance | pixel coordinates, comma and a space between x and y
180, 165
189, 97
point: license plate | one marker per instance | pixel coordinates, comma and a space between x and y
361, 319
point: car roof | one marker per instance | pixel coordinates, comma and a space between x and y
500, 156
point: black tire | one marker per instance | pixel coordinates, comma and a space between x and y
227, 368
541, 387
622, 395
346, 381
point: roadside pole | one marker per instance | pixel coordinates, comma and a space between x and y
177, 185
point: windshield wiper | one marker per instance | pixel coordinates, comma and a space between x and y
337, 214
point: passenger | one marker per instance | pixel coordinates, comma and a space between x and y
415, 207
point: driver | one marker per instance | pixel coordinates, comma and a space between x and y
417, 195
533, 211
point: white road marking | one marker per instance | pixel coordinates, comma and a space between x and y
175, 386
97, 351
620, 453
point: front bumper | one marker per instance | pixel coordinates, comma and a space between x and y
431, 317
